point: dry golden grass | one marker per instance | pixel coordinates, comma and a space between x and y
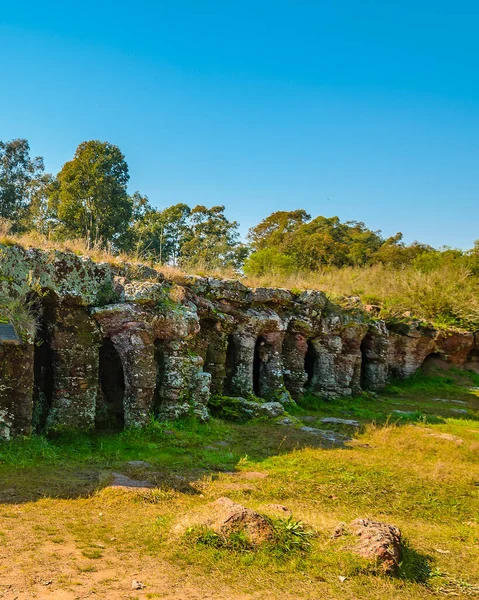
447, 296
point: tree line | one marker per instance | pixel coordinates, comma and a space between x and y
89, 199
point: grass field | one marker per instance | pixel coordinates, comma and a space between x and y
66, 532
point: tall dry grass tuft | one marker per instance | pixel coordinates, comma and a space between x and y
20, 312
5, 227
447, 296
81, 247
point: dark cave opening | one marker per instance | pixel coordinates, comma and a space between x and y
230, 364
257, 365
112, 386
473, 356
310, 364
364, 378
160, 372
43, 379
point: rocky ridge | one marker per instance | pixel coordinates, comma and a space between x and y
117, 343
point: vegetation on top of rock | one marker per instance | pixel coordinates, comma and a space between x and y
19, 313
86, 207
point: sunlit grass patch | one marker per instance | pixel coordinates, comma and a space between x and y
420, 474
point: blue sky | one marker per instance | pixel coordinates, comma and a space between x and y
365, 110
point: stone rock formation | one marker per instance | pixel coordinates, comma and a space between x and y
224, 517
376, 541
116, 343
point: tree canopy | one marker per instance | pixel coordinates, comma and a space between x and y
89, 199
21, 179
291, 241
89, 196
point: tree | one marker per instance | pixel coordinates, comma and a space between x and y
319, 243
277, 230
40, 217
472, 258
20, 179
212, 241
89, 196
160, 234
269, 261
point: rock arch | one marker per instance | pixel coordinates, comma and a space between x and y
258, 365
110, 411
43, 381
311, 365
231, 361
472, 361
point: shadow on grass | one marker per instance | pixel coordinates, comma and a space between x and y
173, 456
182, 453
414, 566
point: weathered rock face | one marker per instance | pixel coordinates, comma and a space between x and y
116, 344
225, 517
16, 390
377, 541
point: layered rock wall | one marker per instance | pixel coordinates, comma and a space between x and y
118, 343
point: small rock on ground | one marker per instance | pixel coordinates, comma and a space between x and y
123, 481
137, 585
336, 421
330, 436
285, 421
138, 463
377, 541
449, 401
224, 517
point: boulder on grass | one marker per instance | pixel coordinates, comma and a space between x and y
224, 517
241, 409
377, 541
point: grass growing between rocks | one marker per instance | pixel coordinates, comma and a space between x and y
66, 532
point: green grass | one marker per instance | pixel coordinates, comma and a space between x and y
20, 313
61, 521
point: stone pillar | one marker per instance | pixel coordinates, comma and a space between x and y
137, 353
338, 357
324, 381
75, 342
183, 387
271, 368
200, 389
295, 347
16, 389
374, 349
239, 381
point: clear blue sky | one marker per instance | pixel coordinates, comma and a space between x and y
365, 110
